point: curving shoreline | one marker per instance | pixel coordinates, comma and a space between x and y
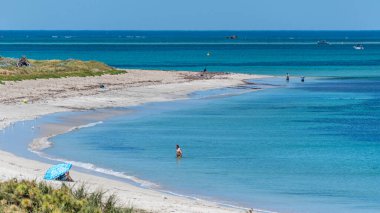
142, 87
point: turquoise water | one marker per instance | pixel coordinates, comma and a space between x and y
262, 52
297, 147
309, 147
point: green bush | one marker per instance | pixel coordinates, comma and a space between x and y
30, 196
9, 71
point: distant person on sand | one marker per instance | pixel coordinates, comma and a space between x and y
178, 151
204, 71
287, 76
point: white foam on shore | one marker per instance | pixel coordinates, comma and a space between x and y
39, 144
219, 203
92, 167
85, 126
42, 143
140, 182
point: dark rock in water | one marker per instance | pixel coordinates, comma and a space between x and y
23, 61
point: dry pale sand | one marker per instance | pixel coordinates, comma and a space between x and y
32, 98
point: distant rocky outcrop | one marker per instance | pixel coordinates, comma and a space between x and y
23, 62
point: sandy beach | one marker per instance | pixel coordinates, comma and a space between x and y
25, 100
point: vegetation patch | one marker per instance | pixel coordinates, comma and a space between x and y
30, 196
23, 69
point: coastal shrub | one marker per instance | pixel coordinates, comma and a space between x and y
9, 71
30, 196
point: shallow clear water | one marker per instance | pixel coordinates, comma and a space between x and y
301, 147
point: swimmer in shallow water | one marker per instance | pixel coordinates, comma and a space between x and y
178, 151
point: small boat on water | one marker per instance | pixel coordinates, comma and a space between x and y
233, 37
358, 47
323, 42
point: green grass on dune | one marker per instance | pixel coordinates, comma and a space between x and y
39, 69
31, 196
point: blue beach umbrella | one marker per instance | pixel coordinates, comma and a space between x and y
56, 171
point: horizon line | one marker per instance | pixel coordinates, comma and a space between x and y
190, 30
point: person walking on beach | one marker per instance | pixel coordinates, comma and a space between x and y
178, 151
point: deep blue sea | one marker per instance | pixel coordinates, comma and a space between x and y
293, 147
262, 52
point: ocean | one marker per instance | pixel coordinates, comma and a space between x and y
261, 52
292, 147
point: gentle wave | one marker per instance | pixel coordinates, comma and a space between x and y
219, 203
44, 143
86, 125
142, 183
92, 167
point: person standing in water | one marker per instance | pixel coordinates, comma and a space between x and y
178, 151
287, 76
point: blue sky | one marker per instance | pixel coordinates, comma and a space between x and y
190, 14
